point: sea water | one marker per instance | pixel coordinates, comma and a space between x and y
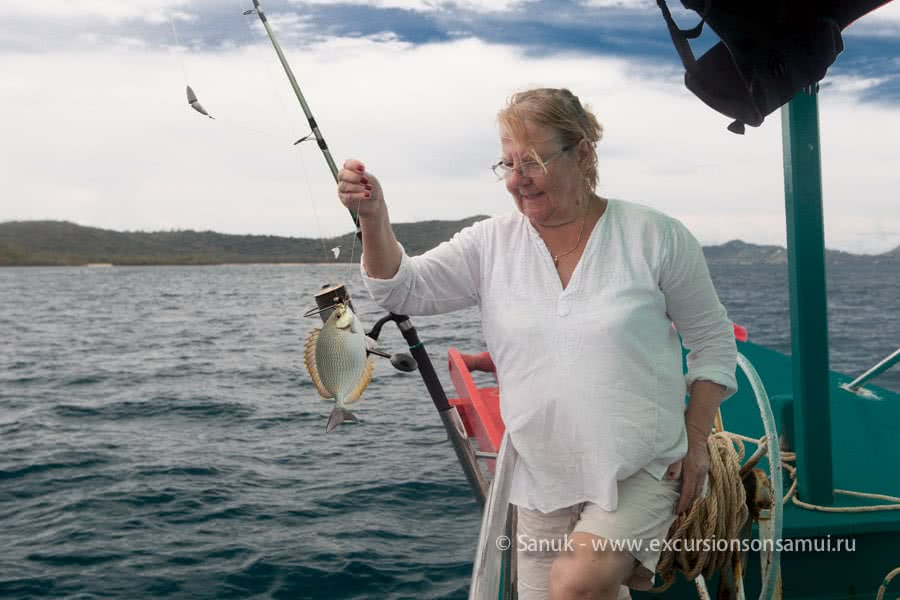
159, 435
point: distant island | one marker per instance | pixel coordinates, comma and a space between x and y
59, 243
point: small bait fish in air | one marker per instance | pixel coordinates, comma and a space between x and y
192, 100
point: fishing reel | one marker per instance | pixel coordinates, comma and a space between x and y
331, 295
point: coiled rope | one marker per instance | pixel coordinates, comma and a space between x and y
884, 584
788, 457
724, 511
718, 516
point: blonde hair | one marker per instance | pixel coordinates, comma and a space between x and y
559, 110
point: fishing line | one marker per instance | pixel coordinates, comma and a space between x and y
191, 96
176, 48
251, 38
353, 268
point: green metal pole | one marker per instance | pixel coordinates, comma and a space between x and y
809, 317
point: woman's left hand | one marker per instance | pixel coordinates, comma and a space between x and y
692, 469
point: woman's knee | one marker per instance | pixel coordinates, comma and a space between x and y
586, 573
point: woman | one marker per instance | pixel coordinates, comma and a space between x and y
578, 296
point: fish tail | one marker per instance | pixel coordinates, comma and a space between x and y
339, 415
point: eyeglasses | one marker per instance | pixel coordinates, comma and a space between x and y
528, 168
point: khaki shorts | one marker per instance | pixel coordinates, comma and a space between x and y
645, 512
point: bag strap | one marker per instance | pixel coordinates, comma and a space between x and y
680, 36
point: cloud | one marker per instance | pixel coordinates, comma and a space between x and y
114, 11
632, 4
883, 22
844, 84
890, 12
481, 6
104, 137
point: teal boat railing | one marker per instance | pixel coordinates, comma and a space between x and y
883, 365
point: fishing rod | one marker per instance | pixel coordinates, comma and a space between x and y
331, 295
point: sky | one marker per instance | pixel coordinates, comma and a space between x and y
96, 128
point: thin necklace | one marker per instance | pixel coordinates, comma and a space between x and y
557, 225
572, 249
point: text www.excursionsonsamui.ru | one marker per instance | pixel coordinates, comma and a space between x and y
526, 543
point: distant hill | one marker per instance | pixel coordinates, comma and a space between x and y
739, 252
63, 243
25, 243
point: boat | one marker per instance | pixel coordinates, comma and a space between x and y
834, 553
820, 475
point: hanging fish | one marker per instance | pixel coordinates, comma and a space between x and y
192, 100
336, 359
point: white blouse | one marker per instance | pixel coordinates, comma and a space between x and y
592, 388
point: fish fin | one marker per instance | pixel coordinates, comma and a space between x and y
309, 357
339, 415
363, 382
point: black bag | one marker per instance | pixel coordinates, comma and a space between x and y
769, 50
